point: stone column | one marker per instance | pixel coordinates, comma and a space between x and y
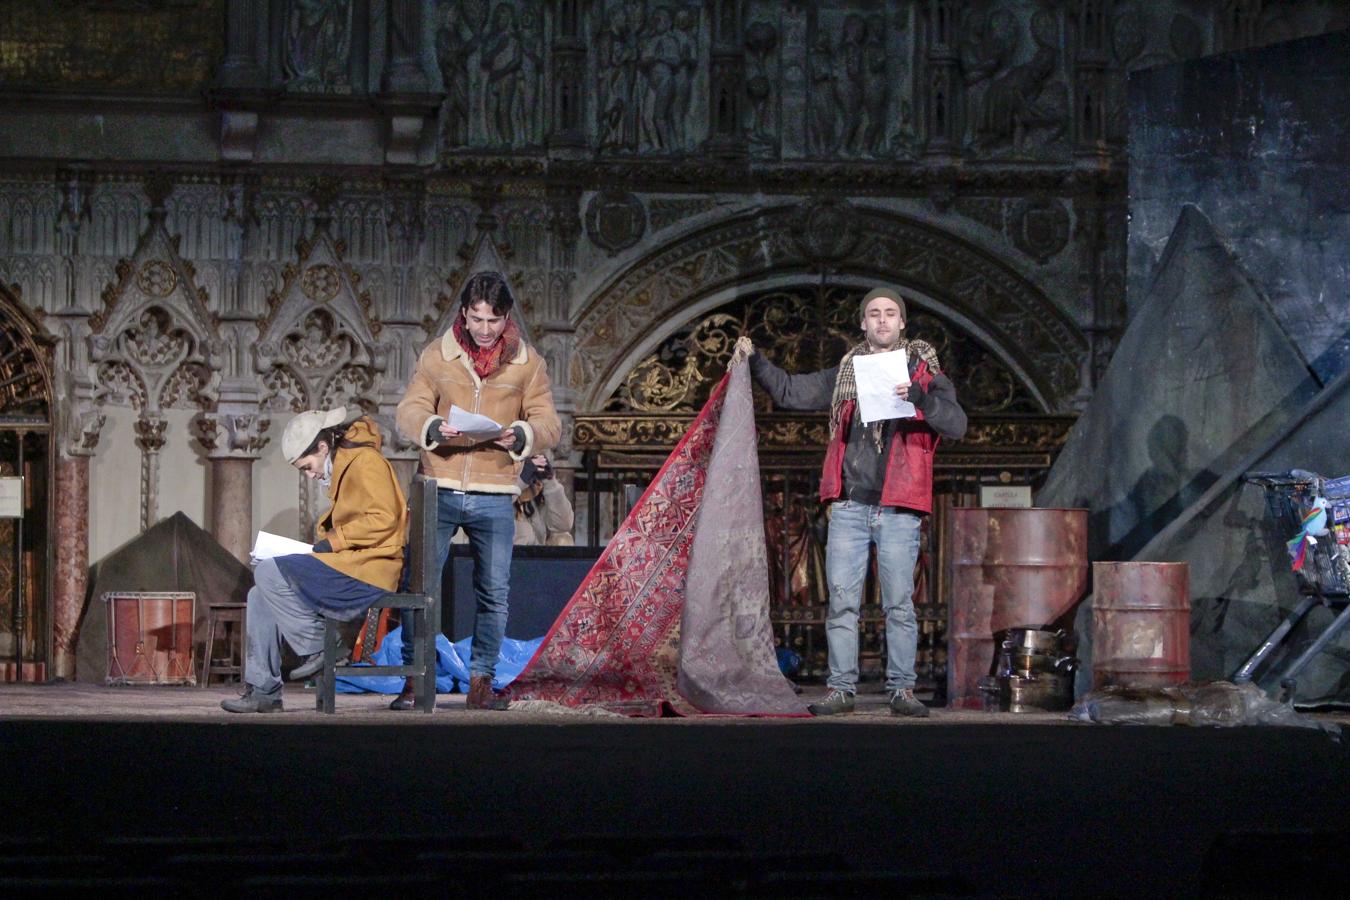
726, 82
567, 90
1090, 80
241, 68
232, 505
241, 80
233, 442
943, 123
70, 578
150, 438
70, 575
403, 45
405, 96
557, 333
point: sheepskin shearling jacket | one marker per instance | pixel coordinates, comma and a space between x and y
517, 395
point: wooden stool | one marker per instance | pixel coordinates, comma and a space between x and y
226, 614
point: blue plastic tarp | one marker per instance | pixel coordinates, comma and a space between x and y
452, 665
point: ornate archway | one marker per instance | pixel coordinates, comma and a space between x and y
946, 275
27, 469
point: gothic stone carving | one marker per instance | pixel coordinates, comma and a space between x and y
1032, 330
1040, 227
1022, 106
615, 221
317, 346
666, 212
826, 230
236, 435
318, 42
492, 71
155, 344
646, 63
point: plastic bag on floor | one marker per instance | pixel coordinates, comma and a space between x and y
1213, 703
452, 665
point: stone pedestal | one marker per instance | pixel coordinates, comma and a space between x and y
70, 579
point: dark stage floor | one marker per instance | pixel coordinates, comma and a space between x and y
142, 789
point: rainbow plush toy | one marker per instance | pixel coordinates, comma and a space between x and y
1314, 525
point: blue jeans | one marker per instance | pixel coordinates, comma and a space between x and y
853, 527
489, 520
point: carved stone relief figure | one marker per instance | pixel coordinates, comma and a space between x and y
876, 85
1022, 107
503, 57
616, 70
761, 39
453, 48
659, 62
988, 49
686, 40
848, 84
823, 126
318, 44
531, 95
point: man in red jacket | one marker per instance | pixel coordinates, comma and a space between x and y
878, 480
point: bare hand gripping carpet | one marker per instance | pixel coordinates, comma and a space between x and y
675, 613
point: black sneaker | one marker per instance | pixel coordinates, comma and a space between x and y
904, 703
252, 701
836, 703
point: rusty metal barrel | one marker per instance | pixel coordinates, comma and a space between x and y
1010, 567
1141, 624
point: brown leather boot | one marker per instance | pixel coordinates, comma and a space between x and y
481, 695
405, 698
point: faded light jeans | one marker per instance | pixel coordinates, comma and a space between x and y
489, 521
853, 527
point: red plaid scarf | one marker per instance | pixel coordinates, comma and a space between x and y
487, 360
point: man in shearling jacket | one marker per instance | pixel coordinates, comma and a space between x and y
878, 480
481, 365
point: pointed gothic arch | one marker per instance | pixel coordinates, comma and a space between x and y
26, 388
27, 419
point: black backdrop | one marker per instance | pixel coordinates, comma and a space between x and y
543, 579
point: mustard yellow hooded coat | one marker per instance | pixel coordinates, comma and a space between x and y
367, 525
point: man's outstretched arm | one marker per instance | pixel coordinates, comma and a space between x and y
810, 391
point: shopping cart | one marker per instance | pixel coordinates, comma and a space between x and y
1324, 577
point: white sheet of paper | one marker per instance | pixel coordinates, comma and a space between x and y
877, 374
267, 545
472, 425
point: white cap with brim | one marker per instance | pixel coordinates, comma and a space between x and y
303, 429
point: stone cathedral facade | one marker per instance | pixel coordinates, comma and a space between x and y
216, 213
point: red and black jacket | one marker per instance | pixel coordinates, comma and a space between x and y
911, 442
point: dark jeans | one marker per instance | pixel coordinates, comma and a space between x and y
489, 520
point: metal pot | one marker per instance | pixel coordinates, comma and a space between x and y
1039, 662
1035, 640
1041, 693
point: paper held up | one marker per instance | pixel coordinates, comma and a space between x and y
473, 425
267, 545
877, 375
